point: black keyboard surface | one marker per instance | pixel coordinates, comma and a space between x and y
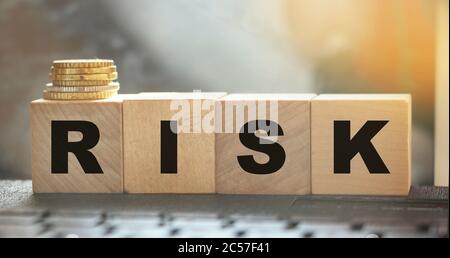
424, 213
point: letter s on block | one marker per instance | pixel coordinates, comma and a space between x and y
274, 150
61, 146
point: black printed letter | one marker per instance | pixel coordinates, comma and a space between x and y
345, 148
61, 146
168, 147
274, 150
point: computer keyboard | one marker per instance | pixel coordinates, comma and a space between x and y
73, 224
424, 213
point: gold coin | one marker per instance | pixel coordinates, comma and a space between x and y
84, 77
82, 63
94, 70
79, 95
81, 83
111, 86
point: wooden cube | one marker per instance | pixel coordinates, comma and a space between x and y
77, 146
262, 158
361, 144
169, 143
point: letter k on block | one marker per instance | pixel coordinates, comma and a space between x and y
361, 144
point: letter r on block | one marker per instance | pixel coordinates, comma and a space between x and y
61, 146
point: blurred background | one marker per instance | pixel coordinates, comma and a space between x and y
320, 46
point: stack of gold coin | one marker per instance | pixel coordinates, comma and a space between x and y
83, 79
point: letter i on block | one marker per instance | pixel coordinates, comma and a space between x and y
361, 144
77, 146
169, 142
263, 144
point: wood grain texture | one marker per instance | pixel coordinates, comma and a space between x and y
143, 114
294, 118
107, 116
393, 143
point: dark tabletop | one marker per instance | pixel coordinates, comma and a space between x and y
18, 194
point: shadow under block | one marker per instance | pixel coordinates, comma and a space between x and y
291, 177
392, 143
193, 164
106, 115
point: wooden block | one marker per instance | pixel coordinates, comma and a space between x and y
77, 146
285, 161
361, 144
157, 160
